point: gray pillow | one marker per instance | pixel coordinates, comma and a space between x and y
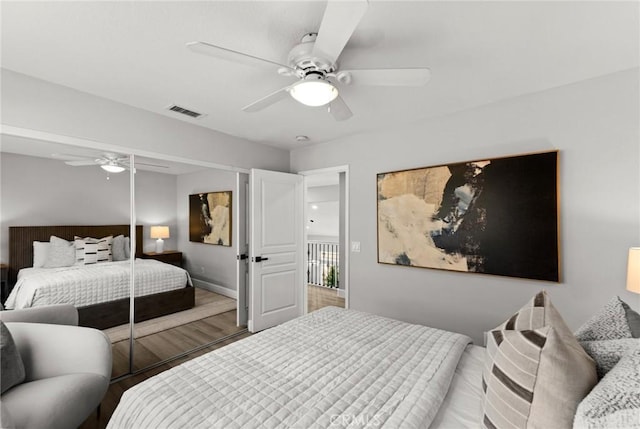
610, 323
12, 368
615, 401
118, 248
633, 319
607, 353
62, 253
127, 248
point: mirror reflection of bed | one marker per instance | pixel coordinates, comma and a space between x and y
167, 321
98, 288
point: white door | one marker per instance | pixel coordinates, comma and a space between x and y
276, 248
241, 220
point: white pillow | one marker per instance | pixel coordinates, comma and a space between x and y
62, 253
93, 250
40, 253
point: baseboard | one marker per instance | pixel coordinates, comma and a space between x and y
215, 288
341, 293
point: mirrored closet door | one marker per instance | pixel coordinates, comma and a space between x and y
64, 208
186, 277
179, 259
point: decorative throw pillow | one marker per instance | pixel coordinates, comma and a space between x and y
117, 249
40, 253
610, 323
607, 353
536, 373
127, 248
633, 319
12, 369
615, 401
61, 253
93, 250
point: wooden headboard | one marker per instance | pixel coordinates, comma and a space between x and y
21, 240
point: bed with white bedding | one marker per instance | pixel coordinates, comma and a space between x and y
85, 285
330, 368
100, 291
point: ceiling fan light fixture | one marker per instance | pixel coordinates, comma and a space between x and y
112, 167
314, 91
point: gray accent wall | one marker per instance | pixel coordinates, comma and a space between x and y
594, 125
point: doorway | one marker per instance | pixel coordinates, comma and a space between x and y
326, 221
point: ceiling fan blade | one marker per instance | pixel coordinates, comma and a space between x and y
385, 77
68, 157
81, 163
231, 55
267, 101
338, 24
339, 109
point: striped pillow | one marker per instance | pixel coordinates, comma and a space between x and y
93, 250
536, 373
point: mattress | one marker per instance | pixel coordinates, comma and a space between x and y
83, 285
330, 368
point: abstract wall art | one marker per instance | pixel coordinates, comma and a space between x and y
493, 216
210, 218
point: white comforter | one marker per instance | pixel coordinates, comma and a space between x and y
330, 368
83, 285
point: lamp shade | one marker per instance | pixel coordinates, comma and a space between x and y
159, 232
633, 270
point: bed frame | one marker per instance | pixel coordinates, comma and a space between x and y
108, 314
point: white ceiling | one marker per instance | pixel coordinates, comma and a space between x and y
479, 52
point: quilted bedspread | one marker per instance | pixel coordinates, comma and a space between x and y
83, 285
330, 368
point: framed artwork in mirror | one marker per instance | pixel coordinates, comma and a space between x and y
210, 218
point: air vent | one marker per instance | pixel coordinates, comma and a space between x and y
184, 111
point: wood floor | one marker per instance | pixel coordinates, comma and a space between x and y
319, 296
165, 344
155, 345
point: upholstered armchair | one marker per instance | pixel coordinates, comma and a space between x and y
56, 314
67, 371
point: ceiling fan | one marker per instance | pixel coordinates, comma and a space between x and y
110, 162
314, 63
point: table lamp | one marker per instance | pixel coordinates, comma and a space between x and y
159, 232
633, 270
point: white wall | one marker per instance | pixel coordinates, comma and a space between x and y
39, 191
209, 263
39, 105
594, 124
156, 199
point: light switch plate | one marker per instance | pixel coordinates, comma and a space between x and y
355, 246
